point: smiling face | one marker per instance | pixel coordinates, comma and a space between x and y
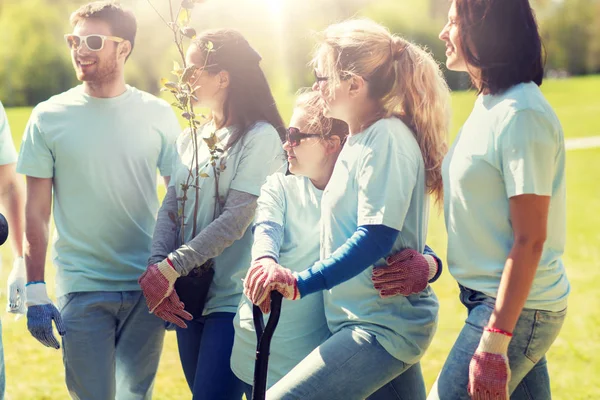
97, 67
455, 60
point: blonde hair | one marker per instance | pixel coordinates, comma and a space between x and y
401, 75
311, 103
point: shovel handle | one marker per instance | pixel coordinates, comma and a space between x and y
264, 334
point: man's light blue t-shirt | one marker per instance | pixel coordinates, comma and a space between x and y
247, 164
8, 154
379, 179
294, 203
511, 144
103, 155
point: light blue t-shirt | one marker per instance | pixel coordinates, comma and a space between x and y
247, 164
379, 179
102, 154
8, 154
294, 203
511, 144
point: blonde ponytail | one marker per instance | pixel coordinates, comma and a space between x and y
421, 98
402, 76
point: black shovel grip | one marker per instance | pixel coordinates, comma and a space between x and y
264, 334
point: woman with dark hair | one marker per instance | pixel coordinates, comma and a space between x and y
244, 126
504, 203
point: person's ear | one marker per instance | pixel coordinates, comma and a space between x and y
357, 86
224, 79
124, 49
333, 144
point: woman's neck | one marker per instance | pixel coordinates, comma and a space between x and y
322, 179
364, 116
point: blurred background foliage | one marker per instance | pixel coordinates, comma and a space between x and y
35, 63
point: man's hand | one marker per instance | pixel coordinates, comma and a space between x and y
40, 313
16, 287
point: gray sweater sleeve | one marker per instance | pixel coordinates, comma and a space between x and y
230, 226
268, 237
165, 232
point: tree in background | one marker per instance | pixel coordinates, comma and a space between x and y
35, 64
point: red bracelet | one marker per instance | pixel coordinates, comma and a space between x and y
496, 330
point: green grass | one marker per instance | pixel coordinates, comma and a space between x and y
36, 372
575, 101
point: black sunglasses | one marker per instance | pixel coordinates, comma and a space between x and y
294, 136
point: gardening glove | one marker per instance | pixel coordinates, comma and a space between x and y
489, 372
16, 288
40, 313
158, 282
407, 272
171, 310
265, 276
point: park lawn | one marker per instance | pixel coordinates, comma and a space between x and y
35, 372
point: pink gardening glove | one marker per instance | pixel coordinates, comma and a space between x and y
489, 372
158, 282
407, 272
171, 310
265, 276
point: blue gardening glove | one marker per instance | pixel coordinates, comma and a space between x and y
16, 288
40, 313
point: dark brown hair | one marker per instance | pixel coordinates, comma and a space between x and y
249, 98
501, 39
122, 22
312, 104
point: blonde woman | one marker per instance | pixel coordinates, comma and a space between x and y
394, 99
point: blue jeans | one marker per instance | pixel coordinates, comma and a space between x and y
2, 367
205, 350
407, 386
535, 332
112, 346
350, 365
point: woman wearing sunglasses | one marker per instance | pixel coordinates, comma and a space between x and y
393, 97
244, 122
287, 231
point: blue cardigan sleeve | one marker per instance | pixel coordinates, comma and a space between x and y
367, 245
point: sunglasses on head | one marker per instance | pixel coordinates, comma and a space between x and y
294, 136
93, 42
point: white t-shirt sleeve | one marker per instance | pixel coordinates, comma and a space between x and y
528, 146
8, 154
262, 154
386, 179
170, 130
271, 202
35, 157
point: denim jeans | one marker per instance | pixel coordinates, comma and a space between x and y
112, 346
350, 365
534, 333
2, 367
205, 350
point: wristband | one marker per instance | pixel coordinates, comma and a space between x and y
496, 330
34, 283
